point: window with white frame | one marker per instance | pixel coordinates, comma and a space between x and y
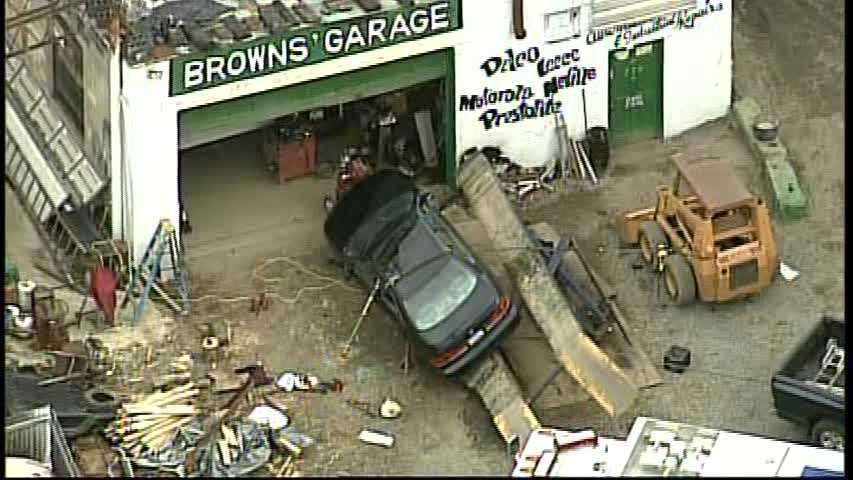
565, 23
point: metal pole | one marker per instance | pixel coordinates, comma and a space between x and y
30, 48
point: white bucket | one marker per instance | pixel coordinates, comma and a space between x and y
25, 295
24, 323
12, 312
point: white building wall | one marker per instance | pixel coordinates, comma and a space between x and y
697, 78
697, 86
150, 151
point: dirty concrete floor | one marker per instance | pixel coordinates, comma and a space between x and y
305, 330
736, 347
788, 54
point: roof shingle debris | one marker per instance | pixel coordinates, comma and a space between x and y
162, 29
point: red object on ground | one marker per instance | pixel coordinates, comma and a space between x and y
352, 173
104, 285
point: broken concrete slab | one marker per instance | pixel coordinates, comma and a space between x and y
498, 389
790, 202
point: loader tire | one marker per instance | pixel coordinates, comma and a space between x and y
679, 279
651, 235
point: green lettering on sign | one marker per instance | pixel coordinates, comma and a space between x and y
307, 46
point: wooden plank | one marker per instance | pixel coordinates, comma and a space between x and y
492, 379
587, 364
525, 349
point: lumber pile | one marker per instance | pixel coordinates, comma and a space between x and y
151, 422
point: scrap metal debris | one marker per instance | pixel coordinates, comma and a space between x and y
390, 409
293, 381
269, 416
787, 272
676, 359
376, 437
518, 181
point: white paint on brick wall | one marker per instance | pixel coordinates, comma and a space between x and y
697, 80
150, 125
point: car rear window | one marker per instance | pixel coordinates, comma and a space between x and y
441, 294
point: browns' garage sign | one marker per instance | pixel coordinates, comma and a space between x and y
311, 45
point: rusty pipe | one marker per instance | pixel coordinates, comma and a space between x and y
518, 19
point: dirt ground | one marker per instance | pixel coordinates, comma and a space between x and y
788, 54
735, 347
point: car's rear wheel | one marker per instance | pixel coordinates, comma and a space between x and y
679, 279
651, 237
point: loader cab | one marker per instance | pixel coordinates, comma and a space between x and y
708, 189
718, 235
732, 236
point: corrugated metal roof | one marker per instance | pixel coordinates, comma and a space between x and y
181, 27
37, 434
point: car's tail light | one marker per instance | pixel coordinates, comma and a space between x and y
448, 356
499, 313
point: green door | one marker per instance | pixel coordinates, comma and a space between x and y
636, 93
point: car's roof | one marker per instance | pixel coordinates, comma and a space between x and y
418, 246
714, 181
364, 199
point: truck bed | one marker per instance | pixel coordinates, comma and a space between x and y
795, 395
804, 361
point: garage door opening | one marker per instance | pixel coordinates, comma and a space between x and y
258, 193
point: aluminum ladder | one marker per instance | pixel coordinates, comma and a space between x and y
37, 112
151, 267
50, 175
831, 365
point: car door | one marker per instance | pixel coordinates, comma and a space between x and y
389, 299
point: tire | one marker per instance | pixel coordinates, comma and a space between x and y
828, 434
651, 235
100, 400
679, 279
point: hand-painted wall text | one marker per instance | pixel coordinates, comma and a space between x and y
624, 35
562, 69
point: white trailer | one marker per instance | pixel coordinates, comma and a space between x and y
660, 448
